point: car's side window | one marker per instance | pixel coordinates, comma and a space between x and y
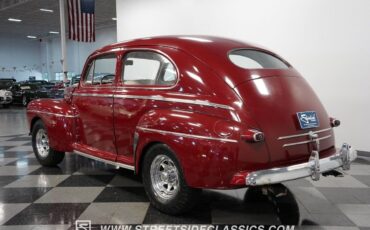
101, 70
148, 68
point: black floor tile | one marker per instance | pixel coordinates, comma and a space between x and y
122, 194
340, 195
54, 170
41, 214
21, 195
5, 180
364, 179
362, 160
363, 153
25, 161
347, 195
20, 154
86, 181
199, 215
328, 220
21, 139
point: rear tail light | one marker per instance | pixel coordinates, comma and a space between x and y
334, 122
252, 135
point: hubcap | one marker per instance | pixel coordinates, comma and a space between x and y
164, 176
42, 143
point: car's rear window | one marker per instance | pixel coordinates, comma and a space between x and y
254, 59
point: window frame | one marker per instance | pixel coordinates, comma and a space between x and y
91, 61
262, 51
143, 86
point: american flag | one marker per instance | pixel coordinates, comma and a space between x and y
81, 20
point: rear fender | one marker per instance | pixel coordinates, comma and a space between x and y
58, 118
206, 146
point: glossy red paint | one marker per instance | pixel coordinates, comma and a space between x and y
201, 118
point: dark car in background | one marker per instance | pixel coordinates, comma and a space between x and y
24, 92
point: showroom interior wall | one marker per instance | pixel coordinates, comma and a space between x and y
42, 59
19, 58
77, 52
327, 41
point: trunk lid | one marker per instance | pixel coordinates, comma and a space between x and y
274, 102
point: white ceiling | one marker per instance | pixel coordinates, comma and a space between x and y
38, 23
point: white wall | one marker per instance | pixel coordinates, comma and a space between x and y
327, 41
77, 52
22, 54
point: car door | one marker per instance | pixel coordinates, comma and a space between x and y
145, 73
93, 99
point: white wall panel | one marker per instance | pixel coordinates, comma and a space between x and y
22, 54
327, 41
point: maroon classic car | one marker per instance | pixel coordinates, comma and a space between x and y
191, 112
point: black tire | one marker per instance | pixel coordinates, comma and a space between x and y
185, 198
50, 157
6, 106
24, 101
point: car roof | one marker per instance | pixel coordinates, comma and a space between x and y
197, 45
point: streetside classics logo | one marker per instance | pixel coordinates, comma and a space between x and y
86, 225
83, 224
308, 119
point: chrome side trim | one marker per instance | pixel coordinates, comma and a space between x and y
303, 134
130, 167
306, 142
186, 135
92, 95
342, 158
178, 100
54, 114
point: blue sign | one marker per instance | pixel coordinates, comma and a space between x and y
308, 119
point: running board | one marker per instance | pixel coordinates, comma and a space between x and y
116, 164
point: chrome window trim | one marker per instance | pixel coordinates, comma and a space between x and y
178, 100
303, 134
54, 114
159, 87
92, 95
117, 164
305, 142
186, 135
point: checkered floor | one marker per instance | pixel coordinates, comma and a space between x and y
35, 197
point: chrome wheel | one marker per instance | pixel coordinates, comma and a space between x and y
164, 177
42, 143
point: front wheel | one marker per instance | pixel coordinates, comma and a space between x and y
45, 155
164, 182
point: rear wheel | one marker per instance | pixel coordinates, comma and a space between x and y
164, 182
40, 144
6, 105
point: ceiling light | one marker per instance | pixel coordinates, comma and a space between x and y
47, 10
30, 36
53, 32
114, 19
14, 20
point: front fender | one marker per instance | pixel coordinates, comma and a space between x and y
206, 146
58, 118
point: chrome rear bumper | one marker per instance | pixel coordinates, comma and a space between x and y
314, 167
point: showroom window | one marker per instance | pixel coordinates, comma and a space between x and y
102, 70
148, 68
253, 59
